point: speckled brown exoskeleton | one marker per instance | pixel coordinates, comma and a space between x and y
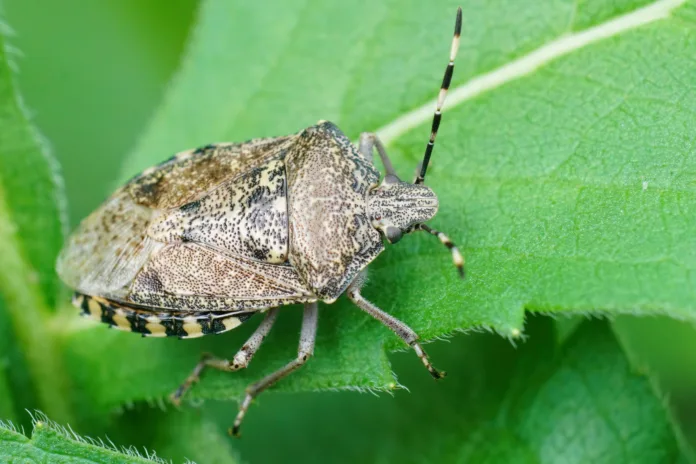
201, 242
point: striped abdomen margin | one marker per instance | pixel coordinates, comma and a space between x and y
157, 324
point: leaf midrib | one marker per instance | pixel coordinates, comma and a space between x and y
528, 64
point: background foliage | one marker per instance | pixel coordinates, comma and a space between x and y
571, 190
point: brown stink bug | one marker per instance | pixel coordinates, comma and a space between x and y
201, 242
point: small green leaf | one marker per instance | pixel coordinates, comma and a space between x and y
53, 443
586, 405
564, 168
31, 233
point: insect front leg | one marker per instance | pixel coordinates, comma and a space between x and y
304, 351
399, 328
370, 141
240, 360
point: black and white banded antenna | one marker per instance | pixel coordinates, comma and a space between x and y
441, 98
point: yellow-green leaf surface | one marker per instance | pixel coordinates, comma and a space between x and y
564, 168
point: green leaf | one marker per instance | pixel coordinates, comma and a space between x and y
674, 363
53, 443
32, 190
667, 350
586, 405
540, 402
176, 435
31, 233
564, 168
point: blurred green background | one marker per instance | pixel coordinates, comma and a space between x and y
92, 73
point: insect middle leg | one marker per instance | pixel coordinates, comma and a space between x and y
240, 360
399, 328
304, 351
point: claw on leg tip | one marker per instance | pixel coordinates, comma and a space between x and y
175, 398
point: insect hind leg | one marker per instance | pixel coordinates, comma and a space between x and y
239, 361
304, 351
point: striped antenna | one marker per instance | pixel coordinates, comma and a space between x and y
441, 97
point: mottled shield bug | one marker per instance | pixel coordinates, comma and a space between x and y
201, 242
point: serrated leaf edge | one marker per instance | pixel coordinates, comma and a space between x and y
40, 422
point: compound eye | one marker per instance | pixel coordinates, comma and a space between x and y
393, 234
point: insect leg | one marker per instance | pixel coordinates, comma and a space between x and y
399, 328
240, 360
369, 141
457, 257
304, 351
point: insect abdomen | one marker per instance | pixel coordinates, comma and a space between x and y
157, 324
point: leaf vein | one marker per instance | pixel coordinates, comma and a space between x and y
529, 63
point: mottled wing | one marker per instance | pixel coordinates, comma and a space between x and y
111, 246
193, 277
331, 237
108, 249
246, 216
191, 174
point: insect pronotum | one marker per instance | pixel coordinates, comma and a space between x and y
201, 242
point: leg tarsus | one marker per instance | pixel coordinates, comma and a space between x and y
255, 389
304, 352
190, 380
243, 407
399, 328
437, 375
